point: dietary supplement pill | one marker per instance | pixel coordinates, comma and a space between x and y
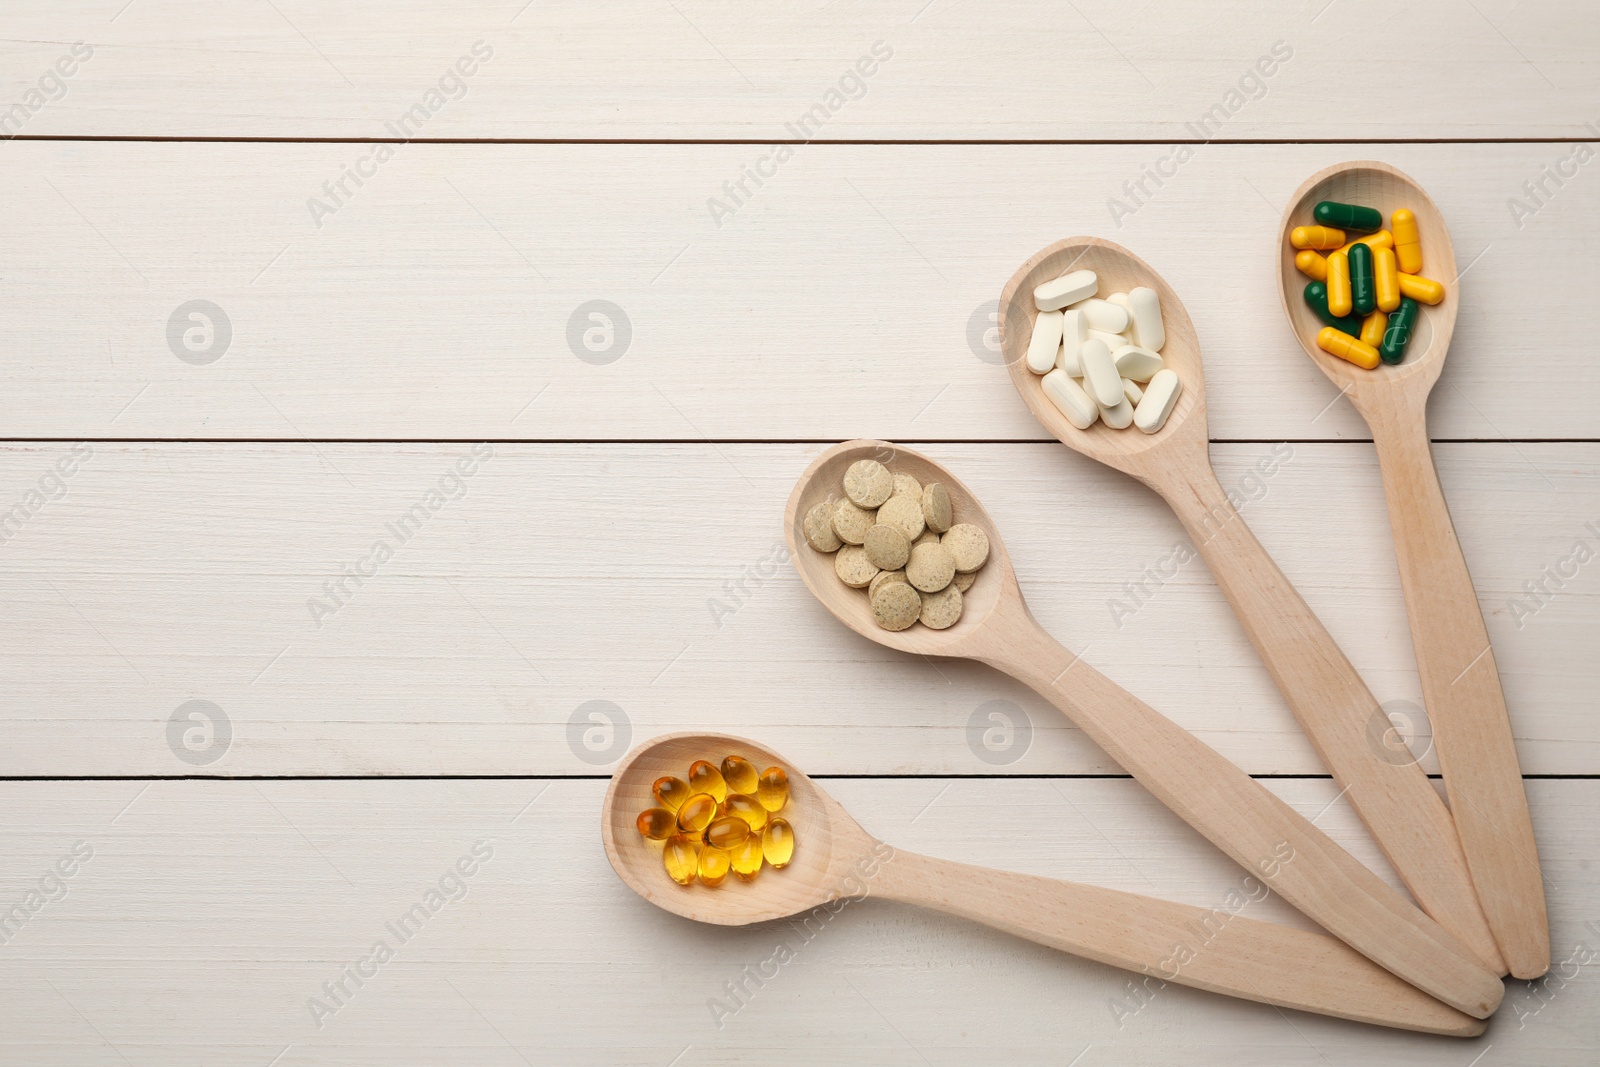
1312, 265
820, 533
1363, 287
941, 610
1407, 240
773, 791
745, 806
905, 485
1398, 333
1071, 399
1100, 375
1372, 328
1422, 290
895, 606
868, 483
1045, 343
1338, 288
1136, 363
670, 792
777, 843
657, 824
715, 863
887, 548
697, 812
905, 513
1348, 216
1160, 397
853, 567
1149, 329
739, 774
852, 523
726, 831
1316, 295
932, 566
968, 545
1104, 315
1316, 237
1338, 343
936, 509
1119, 416
1070, 288
884, 576
746, 859
705, 778
1386, 278
1374, 241
681, 858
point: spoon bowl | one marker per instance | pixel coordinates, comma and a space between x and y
1118, 270
1380, 186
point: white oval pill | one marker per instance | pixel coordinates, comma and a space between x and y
1074, 331
1137, 363
1067, 395
1131, 390
1119, 415
1046, 341
1100, 375
1113, 341
1160, 397
1057, 293
1119, 299
1104, 315
1145, 308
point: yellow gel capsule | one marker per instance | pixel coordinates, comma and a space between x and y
1340, 301
777, 843
1407, 241
1372, 327
740, 774
657, 824
697, 813
681, 858
671, 792
747, 859
1374, 241
773, 790
705, 778
1338, 343
1312, 265
726, 832
1317, 237
747, 808
1422, 290
1386, 278
714, 865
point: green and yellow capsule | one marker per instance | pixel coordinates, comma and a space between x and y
1348, 216
1398, 333
1317, 300
1363, 280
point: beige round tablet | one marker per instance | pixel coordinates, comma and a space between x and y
941, 610
852, 523
819, 529
868, 483
964, 582
887, 547
896, 605
936, 507
968, 545
904, 512
853, 567
930, 568
928, 538
905, 485
886, 576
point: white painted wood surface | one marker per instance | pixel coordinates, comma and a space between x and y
712, 69
848, 298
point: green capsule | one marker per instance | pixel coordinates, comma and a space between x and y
1363, 279
1398, 333
1317, 301
1348, 216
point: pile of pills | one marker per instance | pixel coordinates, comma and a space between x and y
719, 821
1113, 346
898, 539
1365, 290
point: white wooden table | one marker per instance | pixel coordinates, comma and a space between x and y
432, 301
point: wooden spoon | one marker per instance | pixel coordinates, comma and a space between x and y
836, 863
1235, 812
1466, 706
1333, 705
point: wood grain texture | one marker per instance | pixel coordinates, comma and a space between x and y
849, 297
211, 912
173, 572
714, 69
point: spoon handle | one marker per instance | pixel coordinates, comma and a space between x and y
1258, 830
1466, 706
1215, 949
1388, 789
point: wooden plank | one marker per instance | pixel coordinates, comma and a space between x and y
844, 300
566, 574
210, 913
712, 69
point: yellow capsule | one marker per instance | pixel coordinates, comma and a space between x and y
714, 865
1422, 290
739, 773
726, 832
1372, 327
777, 843
681, 858
1386, 278
1312, 265
1407, 241
1336, 342
747, 859
1374, 241
705, 778
773, 791
657, 824
1318, 237
671, 792
697, 813
747, 808
1340, 301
